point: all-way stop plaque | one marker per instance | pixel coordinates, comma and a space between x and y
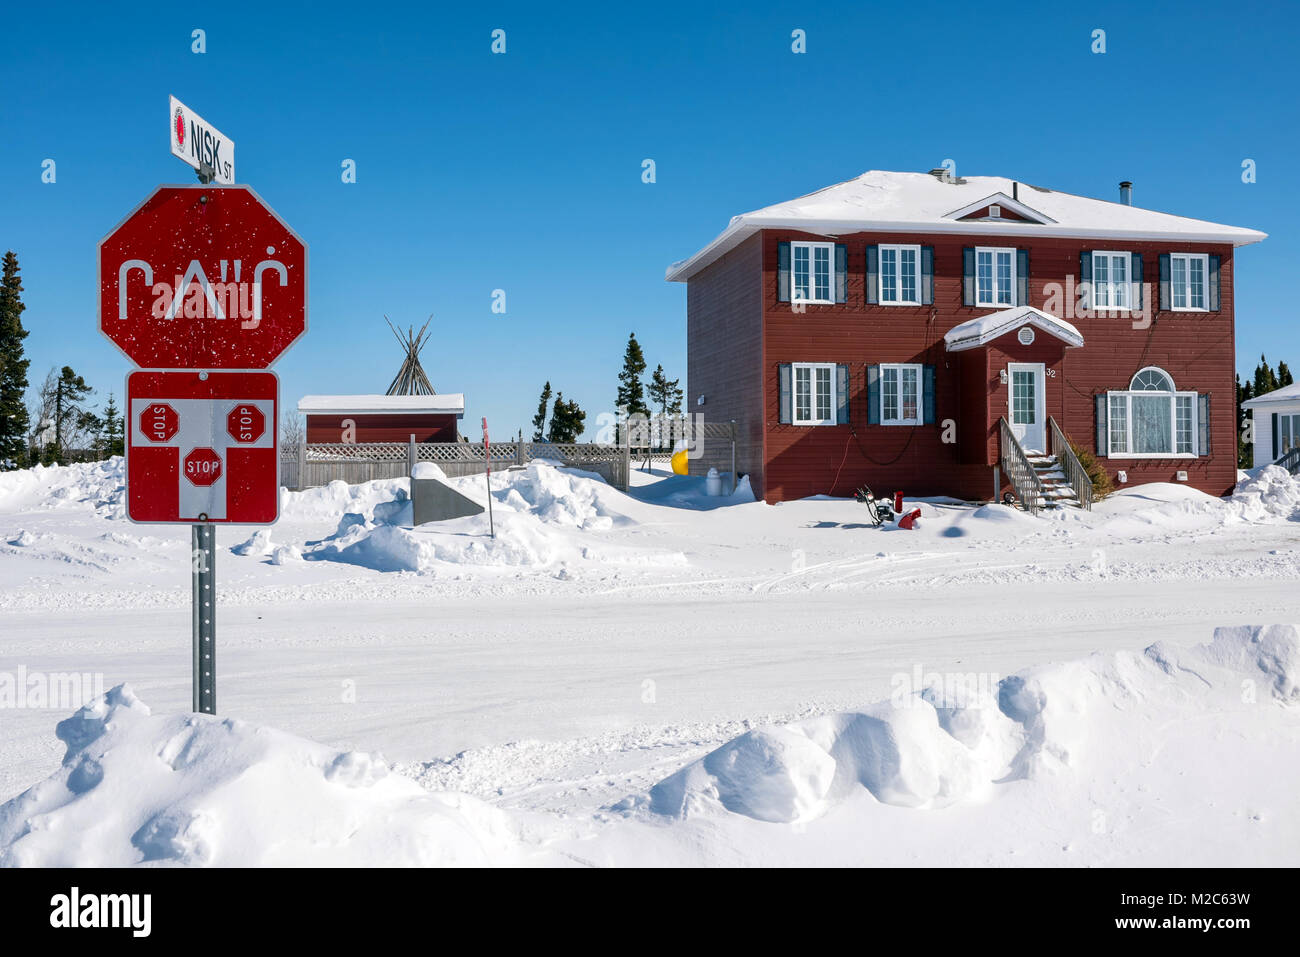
203, 447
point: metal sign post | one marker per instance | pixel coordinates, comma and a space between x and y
487, 460
205, 618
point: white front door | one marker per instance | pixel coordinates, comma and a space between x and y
1025, 404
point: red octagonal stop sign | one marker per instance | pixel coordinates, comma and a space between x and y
203, 277
202, 466
246, 423
158, 423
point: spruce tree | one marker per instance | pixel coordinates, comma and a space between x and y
665, 392
539, 420
631, 391
1284, 376
111, 438
13, 368
1265, 378
567, 420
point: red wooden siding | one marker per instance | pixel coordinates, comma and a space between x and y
431, 427
1195, 348
724, 360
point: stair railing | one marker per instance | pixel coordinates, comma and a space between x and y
1075, 473
1015, 463
1290, 460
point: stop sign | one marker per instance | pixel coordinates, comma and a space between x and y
158, 423
245, 423
203, 277
202, 466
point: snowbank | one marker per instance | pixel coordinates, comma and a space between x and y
544, 517
100, 485
136, 788
929, 748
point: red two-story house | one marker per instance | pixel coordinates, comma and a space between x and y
952, 336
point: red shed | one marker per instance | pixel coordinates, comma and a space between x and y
355, 419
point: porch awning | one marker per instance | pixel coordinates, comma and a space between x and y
982, 330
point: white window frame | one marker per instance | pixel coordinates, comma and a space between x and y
1205, 281
812, 368
1125, 397
880, 274
900, 367
1111, 285
1288, 433
812, 273
993, 253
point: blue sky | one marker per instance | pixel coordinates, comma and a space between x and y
522, 171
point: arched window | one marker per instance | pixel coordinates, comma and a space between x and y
1151, 419
1152, 379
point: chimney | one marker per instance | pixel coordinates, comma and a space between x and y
1126, 193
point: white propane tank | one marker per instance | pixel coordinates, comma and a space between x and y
713, 483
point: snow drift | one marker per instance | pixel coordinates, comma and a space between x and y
136, 788
929, 749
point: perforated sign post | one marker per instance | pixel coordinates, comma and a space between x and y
203, 286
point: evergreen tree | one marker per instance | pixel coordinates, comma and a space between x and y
1265, 378
631, 391
111, 436
539, 420
566, 420
13, 368
1284, 377
665, 392
64, 399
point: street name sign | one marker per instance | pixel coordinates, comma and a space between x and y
200, 144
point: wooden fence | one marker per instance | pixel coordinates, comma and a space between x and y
310, 466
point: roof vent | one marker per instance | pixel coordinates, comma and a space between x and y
995, 212
1126, 193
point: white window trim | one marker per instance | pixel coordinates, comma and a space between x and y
994, 250
1110, 282
880, 275
1205, 282
1175, 395
812, 272
920, 392
812, 368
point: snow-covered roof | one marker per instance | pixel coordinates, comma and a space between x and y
984, 329
449, 403
1288, 393
879, 200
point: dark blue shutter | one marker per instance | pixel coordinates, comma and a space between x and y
782, 272
783, 375
1022, 277
1136, 276
1276, 453
1164, 281
927, 395
1085, 277
927, 275
1214, 284
842, 395
1103, 435
873, 395
968, 276
841, 273
1203, 420
873, 274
